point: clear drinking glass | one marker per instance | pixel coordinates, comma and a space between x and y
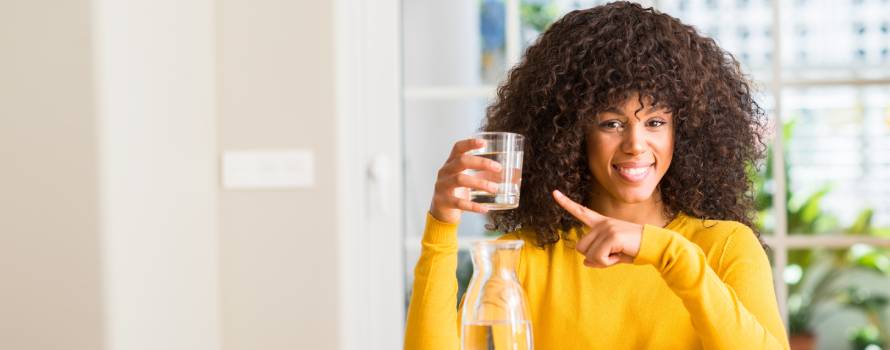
495, 313
506, 149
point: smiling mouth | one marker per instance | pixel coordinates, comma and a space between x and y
633, 174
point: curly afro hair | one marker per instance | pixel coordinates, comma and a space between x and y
593, 59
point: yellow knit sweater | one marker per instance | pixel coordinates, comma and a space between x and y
694, 285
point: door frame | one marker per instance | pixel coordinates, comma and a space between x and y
369, 175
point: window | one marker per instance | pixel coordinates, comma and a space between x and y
823, 71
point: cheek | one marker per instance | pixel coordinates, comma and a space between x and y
665, 151
598, 153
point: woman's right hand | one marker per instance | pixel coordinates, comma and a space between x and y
453, 185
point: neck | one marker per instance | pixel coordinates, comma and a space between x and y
650, 211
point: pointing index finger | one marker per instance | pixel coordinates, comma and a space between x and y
587, 216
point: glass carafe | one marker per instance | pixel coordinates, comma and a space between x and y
495, 311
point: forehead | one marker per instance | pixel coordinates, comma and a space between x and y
629, 110
634, 105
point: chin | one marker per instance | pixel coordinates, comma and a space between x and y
635, 195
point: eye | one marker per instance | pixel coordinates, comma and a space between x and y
611, 124
656, 123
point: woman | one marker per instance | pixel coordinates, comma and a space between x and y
636, 206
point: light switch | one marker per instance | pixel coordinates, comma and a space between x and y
268, 169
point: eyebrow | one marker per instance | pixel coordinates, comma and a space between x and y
619, 112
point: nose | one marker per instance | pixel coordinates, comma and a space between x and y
633, 139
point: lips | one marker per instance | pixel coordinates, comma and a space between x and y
633, 171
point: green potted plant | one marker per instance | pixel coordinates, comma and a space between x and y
865, 338
875, 334
809, 286
816, 287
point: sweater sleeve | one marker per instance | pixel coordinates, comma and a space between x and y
432, 316
733, 307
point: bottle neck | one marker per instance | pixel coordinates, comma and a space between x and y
496, 262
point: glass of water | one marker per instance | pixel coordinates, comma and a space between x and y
506, 149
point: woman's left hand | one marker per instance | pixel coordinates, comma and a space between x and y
609, 241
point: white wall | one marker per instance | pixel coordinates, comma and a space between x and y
279, 247
155, 74
50, 287
113, 231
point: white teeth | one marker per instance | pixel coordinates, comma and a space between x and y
633, 171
